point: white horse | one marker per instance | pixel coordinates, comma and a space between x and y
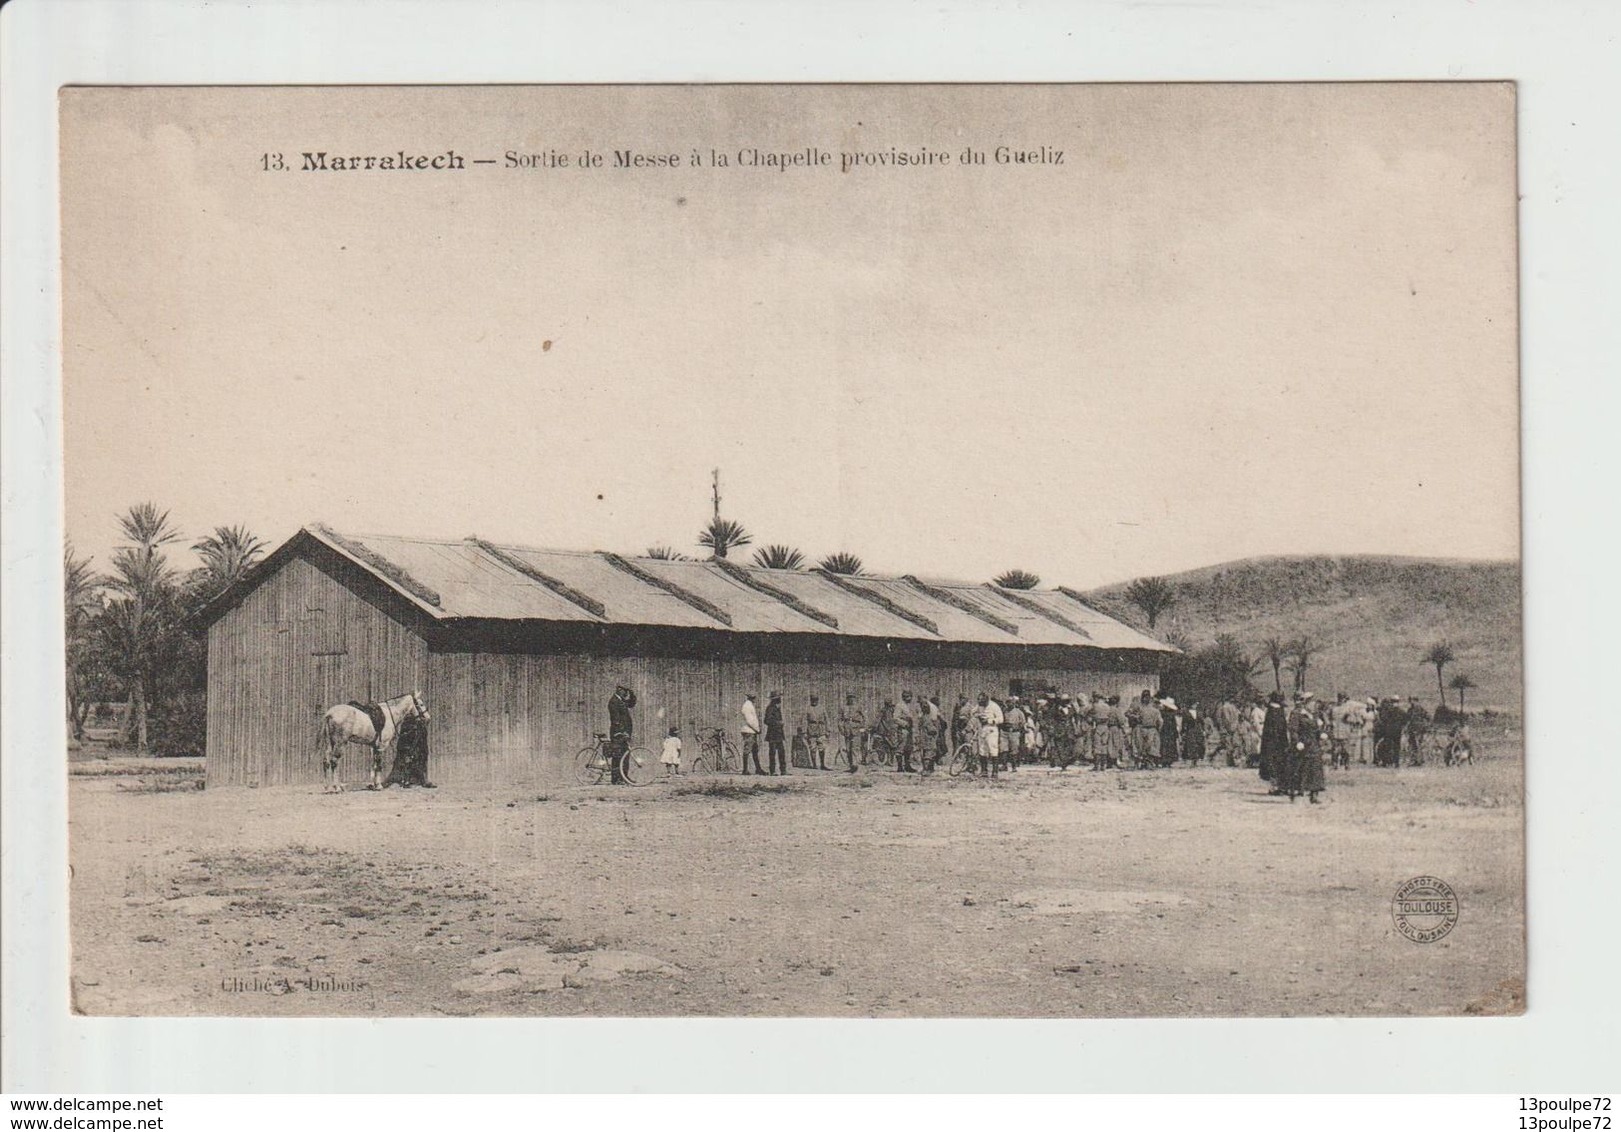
345, 724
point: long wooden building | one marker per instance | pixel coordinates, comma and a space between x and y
517, 650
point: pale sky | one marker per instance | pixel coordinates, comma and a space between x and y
1235, 321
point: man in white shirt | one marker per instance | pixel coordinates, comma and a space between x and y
751, 735
989, 740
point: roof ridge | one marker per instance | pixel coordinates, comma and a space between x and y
681, 593
849, 585
805, 609
562, 589
391, 571
1037, 608
942, 594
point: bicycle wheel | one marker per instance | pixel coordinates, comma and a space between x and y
590, 767
701, 765
957, 761
882, 753
726, 757
639, 766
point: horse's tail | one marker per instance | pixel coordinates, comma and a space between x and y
323, 736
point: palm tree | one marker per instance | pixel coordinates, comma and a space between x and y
227, 554
1153, 596
147, 527
1461, 683
1230, 664
1275, 652
666, 554
779, 557
722, 535
841, 563
1440, 655
1300, 651
136, 627
1017, 580
81, 603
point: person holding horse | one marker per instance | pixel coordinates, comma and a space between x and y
368, 725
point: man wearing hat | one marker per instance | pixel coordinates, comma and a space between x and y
620, 728
908, 720
1348, 720
751, 734
1013, 724
853, 730
776, 737
816, 732
1148, 721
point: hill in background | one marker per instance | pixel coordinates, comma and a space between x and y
1374, 618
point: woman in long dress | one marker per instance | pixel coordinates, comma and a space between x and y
1168, 726
1305, 763
1275, 743
1193, 735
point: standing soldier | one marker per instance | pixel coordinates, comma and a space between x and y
1115, 728
1013, 724
751, 734
1148, 722
816, 732
962, 720
775, 736
989, 736
906, 731
930, 726
1095, 731
853, 730
1346, 723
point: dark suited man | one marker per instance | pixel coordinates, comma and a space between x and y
775, 738
620, 728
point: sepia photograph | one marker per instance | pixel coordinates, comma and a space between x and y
855, 551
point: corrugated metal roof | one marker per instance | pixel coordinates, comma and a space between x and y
501, 582
857, 616
751, 610
1105, 630
954, 624
1034, 629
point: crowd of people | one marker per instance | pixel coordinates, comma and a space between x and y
1286, 741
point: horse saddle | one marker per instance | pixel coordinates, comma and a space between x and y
373, 713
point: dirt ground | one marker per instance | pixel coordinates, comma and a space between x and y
1177, 892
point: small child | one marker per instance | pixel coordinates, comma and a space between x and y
671, 755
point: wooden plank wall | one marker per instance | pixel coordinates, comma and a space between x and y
298, 644
502, 721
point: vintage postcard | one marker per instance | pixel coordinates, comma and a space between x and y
826, 550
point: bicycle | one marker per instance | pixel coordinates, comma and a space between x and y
593, 765
879, 749
717, 754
